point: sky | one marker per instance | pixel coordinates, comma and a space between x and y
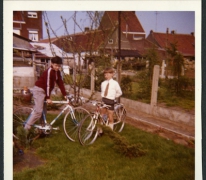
183, 22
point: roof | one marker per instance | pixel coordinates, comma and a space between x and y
47, 40
129, 21
81, 42
21, 43
45, 49
185, 42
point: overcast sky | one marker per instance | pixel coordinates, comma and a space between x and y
182, 22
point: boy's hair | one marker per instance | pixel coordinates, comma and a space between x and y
56, 60
108, 70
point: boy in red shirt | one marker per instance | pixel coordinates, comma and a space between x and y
42, 90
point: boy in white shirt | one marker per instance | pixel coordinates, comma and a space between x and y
110, 90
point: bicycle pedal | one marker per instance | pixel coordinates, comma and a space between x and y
56, 128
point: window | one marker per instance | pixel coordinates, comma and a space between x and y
137, 37
110, 41
16, 31
32, 15
33, 35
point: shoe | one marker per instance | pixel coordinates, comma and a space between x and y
21, 152
100, 134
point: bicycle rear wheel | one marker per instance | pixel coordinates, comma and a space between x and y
20, 115
88, 130
72, 121
119, 118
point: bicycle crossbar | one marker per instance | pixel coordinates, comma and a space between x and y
59, 102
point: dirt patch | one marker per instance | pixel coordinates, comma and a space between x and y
27, 160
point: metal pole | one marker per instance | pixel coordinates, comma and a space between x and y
119, 54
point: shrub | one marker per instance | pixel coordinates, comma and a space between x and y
126, 85
145, 86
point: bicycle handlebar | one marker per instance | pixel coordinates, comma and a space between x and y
100, 103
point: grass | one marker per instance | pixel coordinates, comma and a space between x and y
66, 160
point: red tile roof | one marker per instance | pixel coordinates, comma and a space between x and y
185, 42
86, 41
129, 21
47, 40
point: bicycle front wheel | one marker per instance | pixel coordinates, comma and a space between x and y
20, 116
88, 130
72, 121
119, 117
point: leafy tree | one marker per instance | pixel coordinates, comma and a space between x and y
175, 59
145, 77
126, 85
153, 59
176, 63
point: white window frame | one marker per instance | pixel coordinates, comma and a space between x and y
137, 37
32, 15
33, 35
17, 31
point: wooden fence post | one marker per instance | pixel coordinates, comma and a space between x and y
155, 81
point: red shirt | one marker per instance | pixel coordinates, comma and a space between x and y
47, 81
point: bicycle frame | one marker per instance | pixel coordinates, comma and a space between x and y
97, 114
48, 127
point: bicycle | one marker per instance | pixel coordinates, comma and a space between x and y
71, 122
90, 126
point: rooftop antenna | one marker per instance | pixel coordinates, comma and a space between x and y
156, 21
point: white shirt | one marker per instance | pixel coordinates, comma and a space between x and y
114, 90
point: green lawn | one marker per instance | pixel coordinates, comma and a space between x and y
66, 160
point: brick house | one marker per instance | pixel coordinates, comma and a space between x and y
28, 24
185, 45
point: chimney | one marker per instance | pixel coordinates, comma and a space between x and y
151, 31
192, 33
173, 32
167, 31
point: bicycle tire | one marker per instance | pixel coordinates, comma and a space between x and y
88, 130
20, 115
119, 118
71, 125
